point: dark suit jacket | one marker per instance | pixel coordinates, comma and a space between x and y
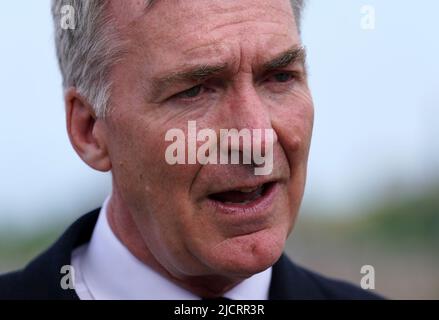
41, 278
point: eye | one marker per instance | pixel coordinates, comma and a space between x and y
283, 77
190, 93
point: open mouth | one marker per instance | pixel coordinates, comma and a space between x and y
242, 196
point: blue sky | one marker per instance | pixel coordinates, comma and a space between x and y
375, 92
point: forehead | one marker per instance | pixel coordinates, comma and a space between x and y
174, 31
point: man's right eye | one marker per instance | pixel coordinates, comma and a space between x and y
190, 93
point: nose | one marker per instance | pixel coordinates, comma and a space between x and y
248, 114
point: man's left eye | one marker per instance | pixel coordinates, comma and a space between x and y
282, 77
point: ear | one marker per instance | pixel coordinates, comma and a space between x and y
86, 132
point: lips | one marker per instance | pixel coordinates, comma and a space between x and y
244, 211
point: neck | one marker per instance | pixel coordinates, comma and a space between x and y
123, 226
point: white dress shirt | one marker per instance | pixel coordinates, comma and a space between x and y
106, 270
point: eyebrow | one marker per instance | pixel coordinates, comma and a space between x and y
289, 57
197, 73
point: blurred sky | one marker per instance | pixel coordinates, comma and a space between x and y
375, 92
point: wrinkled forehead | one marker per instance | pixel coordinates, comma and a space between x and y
186, 26
169, 12
170, 35
128, 11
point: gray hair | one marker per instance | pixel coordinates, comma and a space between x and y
87, 53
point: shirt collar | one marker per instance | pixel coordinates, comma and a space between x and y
111, 272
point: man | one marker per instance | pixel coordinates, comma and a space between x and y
134, 71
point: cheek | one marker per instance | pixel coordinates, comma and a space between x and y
135, 158
140, 168
298, 111
293, 122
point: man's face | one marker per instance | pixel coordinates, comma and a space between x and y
195, 219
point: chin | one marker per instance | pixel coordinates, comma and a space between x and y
247, 255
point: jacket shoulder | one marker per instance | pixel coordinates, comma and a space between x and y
10, 285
